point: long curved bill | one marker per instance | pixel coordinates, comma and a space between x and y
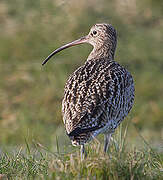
74, 43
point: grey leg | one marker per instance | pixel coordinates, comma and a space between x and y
106, 141
83, 153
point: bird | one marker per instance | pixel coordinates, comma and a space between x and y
100, 93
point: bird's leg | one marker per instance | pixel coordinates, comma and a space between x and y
83, 153
106, 141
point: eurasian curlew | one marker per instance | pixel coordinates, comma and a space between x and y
100, 93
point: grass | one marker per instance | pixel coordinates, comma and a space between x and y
121, 162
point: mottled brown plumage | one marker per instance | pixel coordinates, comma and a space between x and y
99, 94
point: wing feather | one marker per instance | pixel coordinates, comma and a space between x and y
91, 95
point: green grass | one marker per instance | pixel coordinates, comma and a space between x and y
121, 162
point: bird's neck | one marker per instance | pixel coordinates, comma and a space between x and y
103, 52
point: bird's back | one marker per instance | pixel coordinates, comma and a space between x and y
97, 97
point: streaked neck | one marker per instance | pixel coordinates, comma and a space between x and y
103, 52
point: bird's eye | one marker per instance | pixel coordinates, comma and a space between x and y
94, 32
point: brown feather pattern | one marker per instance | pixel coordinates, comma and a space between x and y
100, 93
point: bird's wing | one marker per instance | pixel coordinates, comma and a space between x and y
89, 92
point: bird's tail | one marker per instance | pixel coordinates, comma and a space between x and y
80, 136
80, 139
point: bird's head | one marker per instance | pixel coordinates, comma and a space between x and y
101, 36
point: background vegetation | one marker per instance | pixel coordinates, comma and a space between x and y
30, 95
